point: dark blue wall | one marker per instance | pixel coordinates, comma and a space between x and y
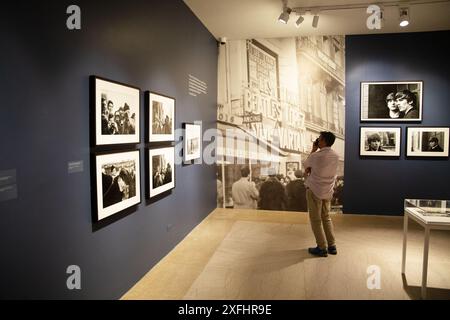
45, 68
379, 186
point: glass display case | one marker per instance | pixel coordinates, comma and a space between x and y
433, 208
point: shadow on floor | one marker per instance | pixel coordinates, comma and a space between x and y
415, 293
277, 260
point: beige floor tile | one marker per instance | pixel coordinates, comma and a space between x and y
250, 254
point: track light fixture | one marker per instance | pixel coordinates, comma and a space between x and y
284, 16
299, 21
404, 17
315, 21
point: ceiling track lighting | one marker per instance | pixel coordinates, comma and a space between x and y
299, 21
402, 6
315, 21
284, 16
404, 17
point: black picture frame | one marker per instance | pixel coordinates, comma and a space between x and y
168, 153
421, 137
192, 139
384, 135
376, 96
122, 102
167, 108
108, 184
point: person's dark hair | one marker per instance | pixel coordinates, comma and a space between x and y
408, 95
374, 137
390, 96
329, 137
110, 102
298, 174
245, 171
434, 139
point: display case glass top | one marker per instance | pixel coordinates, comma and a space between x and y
429, 208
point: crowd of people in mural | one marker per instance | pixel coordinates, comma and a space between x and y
272, 192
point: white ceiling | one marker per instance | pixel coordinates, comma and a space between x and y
245, 19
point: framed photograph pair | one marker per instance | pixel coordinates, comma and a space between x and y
420, 141
117, 114
115, 174
395, 101
161, 154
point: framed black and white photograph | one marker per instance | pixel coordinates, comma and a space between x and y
162, 170
391, 101
427, 142
161, 117
192, 141
292, 166
116, 108
117, 182
380, 142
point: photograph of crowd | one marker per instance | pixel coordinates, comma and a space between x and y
117, 119
391, 101
272, 191
380, 141
162, 162
118, 184
116, 112
427, 142
162, 110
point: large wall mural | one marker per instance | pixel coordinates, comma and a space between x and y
274, 98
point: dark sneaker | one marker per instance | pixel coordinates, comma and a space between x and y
318, 252
332, 250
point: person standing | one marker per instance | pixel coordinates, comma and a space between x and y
321, 168
244, 192
296, 193
272, 193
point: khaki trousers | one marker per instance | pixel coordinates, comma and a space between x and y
319, 215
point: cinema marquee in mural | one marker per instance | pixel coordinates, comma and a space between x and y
275, 96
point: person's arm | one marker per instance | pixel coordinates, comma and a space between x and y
308, 162
254, 193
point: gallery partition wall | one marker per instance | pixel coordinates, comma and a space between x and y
69, 144
399, 64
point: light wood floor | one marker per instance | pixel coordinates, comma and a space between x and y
249, 254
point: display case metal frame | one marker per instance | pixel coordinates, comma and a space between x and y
428, 223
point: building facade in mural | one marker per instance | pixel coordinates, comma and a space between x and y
275, 97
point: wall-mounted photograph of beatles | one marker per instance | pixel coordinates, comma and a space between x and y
118, 184
162, 170
116, 112
161, 117
379, 142
427, 142
391, 101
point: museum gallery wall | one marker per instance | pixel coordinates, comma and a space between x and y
393, 154
275, 96
57, 158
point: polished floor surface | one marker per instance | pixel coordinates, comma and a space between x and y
249, 254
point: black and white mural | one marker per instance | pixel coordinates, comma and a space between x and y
275, 97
